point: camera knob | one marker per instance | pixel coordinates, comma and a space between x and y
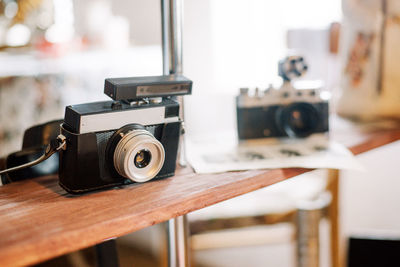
244, 91
292, 67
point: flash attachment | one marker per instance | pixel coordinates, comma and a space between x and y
149, 86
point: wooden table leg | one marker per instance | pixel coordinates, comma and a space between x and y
333, 213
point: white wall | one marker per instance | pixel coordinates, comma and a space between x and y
233, 44
144, 17
370, 201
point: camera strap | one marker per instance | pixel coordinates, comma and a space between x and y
55, 145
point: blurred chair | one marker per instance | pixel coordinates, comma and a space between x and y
301, 202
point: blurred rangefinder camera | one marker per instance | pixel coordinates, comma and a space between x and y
131, 139
289, 111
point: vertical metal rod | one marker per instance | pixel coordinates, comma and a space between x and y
175, 36
171, 14
165, 35
172, 20
308, 237
309, 215
106, 254
178, 255
172, 25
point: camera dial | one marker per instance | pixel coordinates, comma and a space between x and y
292, 67
138, 155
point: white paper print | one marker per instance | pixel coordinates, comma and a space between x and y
222, 152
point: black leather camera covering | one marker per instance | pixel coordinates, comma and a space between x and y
255, 122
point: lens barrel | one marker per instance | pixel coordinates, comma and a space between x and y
298, 119
138, 155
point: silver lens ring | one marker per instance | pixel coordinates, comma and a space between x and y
126, 153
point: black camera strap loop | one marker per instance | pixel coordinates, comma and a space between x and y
55, 145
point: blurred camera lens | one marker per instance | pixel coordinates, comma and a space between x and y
138, 155
298, 119
142, 158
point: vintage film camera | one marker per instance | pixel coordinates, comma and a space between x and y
293, 111
131, 139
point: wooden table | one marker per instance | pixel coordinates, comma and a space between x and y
39, 220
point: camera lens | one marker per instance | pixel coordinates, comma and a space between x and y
138, 155
142, 158
298, 119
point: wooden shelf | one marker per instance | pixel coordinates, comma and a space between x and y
39, 220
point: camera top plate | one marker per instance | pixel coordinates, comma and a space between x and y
134, 88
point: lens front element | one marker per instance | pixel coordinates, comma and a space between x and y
139, 156
142, 158
298, 119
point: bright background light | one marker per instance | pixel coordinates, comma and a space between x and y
233, 44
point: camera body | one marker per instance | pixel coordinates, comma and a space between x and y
132, 139
293, 110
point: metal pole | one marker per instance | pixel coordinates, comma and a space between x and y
309, 215
171, 18
178, 255
171, 15
106, 254
165, 35
308, 237
175, 36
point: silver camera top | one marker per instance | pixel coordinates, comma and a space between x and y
310, 92
289, 92
141, 100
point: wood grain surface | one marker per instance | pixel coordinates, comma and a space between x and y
39, 220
